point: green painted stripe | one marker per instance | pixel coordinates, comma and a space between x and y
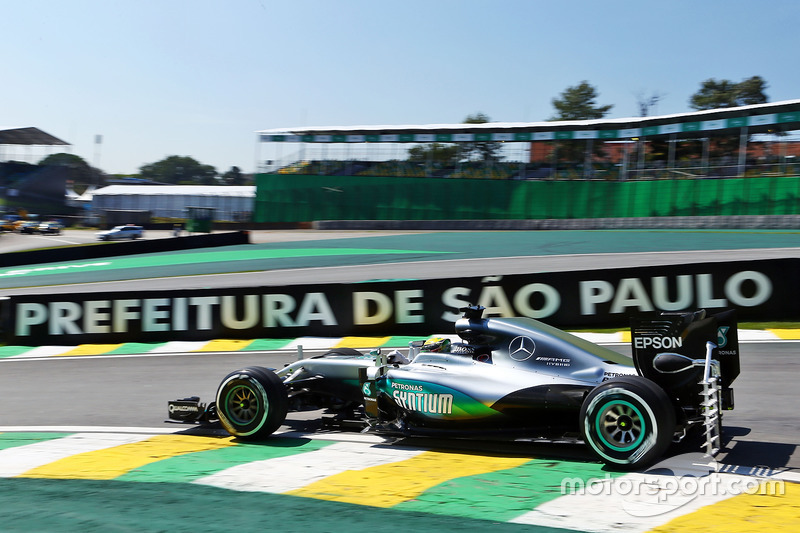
130, 348
189, 467
11, 351
401, 341
70, 506
192, 258
267, 344
397, 341
13, 440
506, 494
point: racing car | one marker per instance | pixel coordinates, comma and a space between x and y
512, 378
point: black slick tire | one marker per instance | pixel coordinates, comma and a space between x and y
251, 402
627, 422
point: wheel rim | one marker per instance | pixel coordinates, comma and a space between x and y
242, 404
621, 426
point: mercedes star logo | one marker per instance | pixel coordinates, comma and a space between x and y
521, 348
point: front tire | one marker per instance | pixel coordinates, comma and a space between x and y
252, 402
628, 422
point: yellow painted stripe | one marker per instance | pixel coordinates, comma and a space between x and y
626, 336
90, 349
394, 483
362, 342
788, 334
763, 510
225, 345
110, 463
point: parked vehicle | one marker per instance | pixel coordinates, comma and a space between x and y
50, 228
128, 231
9, 223
28, 226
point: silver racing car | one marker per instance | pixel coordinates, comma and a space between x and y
512, 378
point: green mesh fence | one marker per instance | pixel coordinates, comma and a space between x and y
300, 198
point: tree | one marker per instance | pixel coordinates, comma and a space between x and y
77, 169
64, 159
480, 150
751, 91
445, 154
233, 176
578, 103
450, 154
179, 170
646, 104
715, 94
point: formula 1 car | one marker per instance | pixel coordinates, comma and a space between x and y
509, 378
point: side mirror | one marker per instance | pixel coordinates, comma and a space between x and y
673, 363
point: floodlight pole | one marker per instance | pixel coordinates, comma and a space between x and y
98, 141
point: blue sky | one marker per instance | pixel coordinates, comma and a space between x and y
199, 77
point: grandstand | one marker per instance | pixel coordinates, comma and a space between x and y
26, 185
28, 137
627, 167
531, 150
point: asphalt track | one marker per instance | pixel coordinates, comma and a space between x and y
275, 258
116, 391
132, 390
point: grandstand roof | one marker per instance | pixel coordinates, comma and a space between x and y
32, 136
759, 118
178, 190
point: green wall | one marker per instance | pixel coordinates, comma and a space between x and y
300, 198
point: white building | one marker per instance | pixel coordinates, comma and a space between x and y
231, 203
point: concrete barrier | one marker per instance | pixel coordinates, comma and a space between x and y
112, 249
684, 222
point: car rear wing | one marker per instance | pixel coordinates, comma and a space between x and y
687, 334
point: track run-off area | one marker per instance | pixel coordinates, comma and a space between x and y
296, 481
84, 446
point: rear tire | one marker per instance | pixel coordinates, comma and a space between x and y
252, 402
628, 422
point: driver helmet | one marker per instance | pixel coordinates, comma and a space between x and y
436, 344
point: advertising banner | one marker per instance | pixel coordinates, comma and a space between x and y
759, 290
